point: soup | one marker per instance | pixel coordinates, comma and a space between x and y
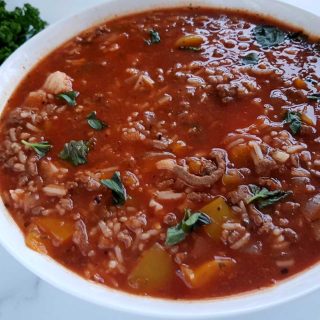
171, 153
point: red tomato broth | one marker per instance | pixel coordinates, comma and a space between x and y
198, 115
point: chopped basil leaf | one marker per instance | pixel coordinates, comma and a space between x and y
119, 193
263, 197
154, 37
75, 152
269, 36
69, 97
190, 221
250, 58
190, 48
294, 120
41, 148
314, 96
94, 122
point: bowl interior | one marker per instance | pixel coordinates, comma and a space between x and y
14, 70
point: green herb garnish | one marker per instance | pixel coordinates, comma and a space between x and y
293, 118
314, 96
75, 152
250, 58
154, 37
94, 122
17, 26
41, 148
190, 221
69, 97
269, 36
119, 193
263, 197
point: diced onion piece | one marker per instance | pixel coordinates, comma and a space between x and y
156, 205
166, 164
58, 82
33, 239
154, 270
54, 190
169, 195
280, 156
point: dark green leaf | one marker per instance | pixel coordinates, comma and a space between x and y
191, 48
263, 197
94, 122
269, 36
119, 193
294, 120
190, 221
41, 148
314, 96
75, 152
175, 235
69, 97
298, 36
17, 26
309, 79
154, 37
250, 58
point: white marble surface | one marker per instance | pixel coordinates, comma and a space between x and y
24, 296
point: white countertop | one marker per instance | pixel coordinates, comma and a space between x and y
24, 296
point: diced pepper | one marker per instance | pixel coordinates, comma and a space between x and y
195, 166
33, 239
219, 212
153, 271
178, 147
308, 116
231, 179
300, 84
206, 272
191, 40
240, 155
61, 230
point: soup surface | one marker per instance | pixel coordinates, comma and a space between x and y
170, 153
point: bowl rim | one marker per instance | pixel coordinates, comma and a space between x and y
12, 239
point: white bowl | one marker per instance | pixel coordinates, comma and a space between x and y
14, 70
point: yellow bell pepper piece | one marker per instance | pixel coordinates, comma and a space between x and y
206, 272
178, 147
300, 84
219, 212
153, 271
308, 116
231, 179
55, 227
240, 155
191, 40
